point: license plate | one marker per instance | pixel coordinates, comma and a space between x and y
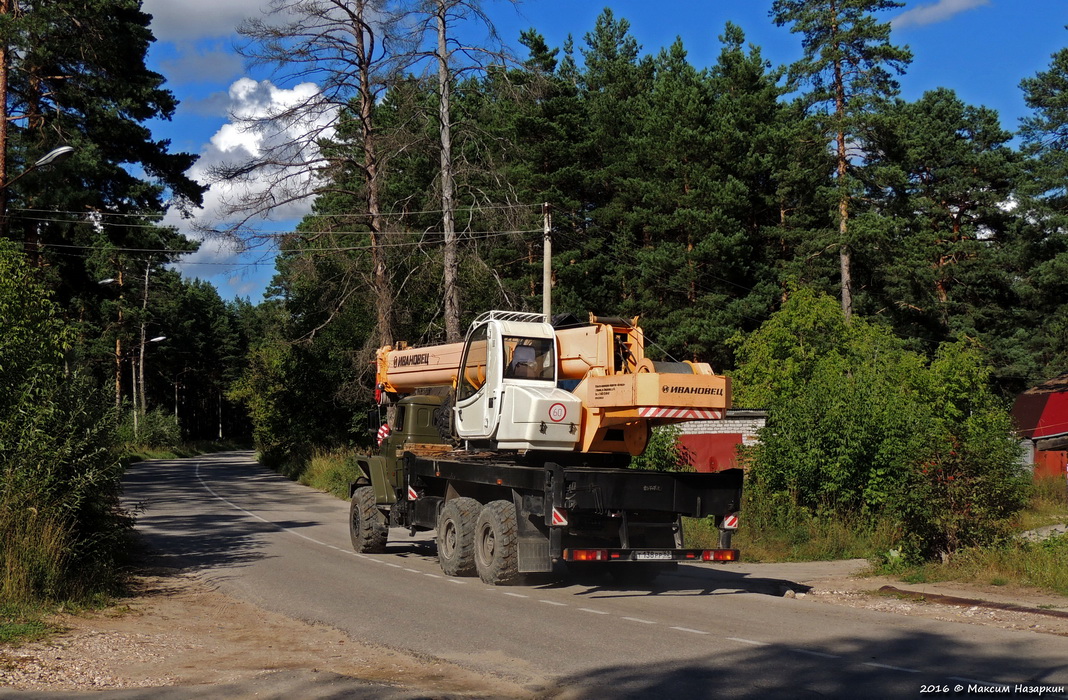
652, 555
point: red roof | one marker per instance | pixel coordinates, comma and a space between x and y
1042, 411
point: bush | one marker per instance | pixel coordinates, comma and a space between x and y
61, 526
664, 452
157, 428
859, 425
331, 471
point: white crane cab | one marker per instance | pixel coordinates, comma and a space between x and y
506, 393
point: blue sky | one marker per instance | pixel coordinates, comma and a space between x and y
982, 49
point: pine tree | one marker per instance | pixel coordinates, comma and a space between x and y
848, 59
1045, 140
594, 268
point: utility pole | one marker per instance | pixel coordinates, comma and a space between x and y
451, 263
547, 263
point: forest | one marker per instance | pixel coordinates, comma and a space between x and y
851, 258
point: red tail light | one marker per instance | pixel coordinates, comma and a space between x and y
720, 555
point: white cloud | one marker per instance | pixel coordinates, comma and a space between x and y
236, 141
936, 12
199, 19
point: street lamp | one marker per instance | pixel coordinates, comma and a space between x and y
137, 366
56, 155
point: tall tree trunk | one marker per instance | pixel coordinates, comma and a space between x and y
383, 288
118, 346
452, 292
141, 352
5, 9
845, 254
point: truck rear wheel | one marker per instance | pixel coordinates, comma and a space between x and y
496, 549
367, 525
456, 536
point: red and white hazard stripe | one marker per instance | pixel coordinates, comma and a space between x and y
683, 413
559, 517
413, 495
730, 522
383, 433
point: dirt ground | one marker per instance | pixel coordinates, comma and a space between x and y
177, 632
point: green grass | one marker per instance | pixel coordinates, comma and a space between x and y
331, 471
1039, 565
817, 539
21, 624
139, 453
1048, 506
780, 531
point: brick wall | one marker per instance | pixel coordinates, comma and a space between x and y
738, 422
712, 444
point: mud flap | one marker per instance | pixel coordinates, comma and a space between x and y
533, 537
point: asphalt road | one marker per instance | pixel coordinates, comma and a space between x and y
703, 632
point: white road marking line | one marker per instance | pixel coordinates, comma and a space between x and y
687, 629
816, 653
430, 575
250, 513
553, 602
462, 583
747, 641
517, 595
595, 612
891, 668
638, 619
414, 571
395, 566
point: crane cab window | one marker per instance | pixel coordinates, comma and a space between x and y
529, 358
473, 375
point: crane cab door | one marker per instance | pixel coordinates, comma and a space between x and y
478, 386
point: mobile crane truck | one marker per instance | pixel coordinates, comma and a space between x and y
515, 472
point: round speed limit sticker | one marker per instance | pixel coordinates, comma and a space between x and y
557, 412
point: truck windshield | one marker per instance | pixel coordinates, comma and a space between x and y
529, 358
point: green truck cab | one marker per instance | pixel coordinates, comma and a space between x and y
412, 424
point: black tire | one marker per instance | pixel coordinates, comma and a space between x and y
496, 544
367, 524
456, 536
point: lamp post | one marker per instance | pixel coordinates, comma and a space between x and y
137, 358
118, 338
54, 156
139, 368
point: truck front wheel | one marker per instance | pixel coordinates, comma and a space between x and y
456, 536
367, 525
496, 549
